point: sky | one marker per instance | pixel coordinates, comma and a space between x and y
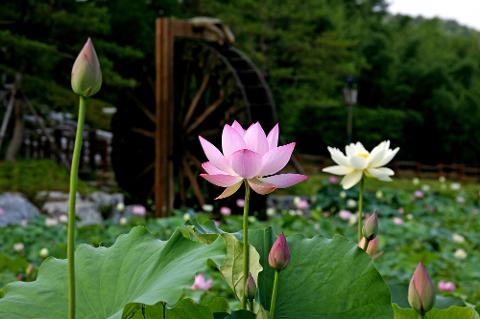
466, 12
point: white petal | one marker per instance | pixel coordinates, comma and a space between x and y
378, 153
351, 179
381, 173
338, 157
338, 170
360, 149
358, 162
388, 157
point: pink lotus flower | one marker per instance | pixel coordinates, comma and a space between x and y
240, 203
279, 255
248, 155
345, 214
201, 283
225, 211
446, 286
398, 221
418, 194
333, 179
139, 210
421, 295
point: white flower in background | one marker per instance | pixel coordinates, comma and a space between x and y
18, 247
343, 194
460, 199
357, 161
207, 207
123, 221
186, 217
120, 206
455, 186
51, 222
352, 220
63, 218
425, 187
379, 194
457, 238
460, 254
409, 216
252, 219
271, 211
442, 179
351, 203
24, 222
44, 252
416, 181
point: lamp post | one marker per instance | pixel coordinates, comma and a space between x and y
350, 94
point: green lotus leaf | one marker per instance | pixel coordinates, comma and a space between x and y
137, 268
454, 312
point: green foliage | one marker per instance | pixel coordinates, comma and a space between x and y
136, 269
452, 312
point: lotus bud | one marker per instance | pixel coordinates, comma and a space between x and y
86, 72
279, 255
370, 228
250, 287
421, 295
372, 246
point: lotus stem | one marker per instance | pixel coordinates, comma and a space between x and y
360, 208
71, 208
273, 304
365, 246
246, 246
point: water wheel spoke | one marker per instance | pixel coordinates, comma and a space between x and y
149, 114
196, 99
209, 110
146, 170
143, 132
193, 181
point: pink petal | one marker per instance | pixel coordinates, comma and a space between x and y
256, 139
211, 169
246, 163
276, 159
229, 191
214, 155
272, 137
222, 180
284, 180
232, 141
238, 127
260, 187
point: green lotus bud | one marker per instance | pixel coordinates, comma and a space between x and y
86, 72
250, 287
370, 228
421, 295
279, 255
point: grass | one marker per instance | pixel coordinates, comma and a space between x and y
31, 176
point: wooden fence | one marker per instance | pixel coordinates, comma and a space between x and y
57, 144
315, 163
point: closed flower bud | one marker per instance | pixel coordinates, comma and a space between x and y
370, 228
86, 72
372, 246
421, 295
279, 255
250, 287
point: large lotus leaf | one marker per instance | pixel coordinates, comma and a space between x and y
326, 278
137, 269
185, 309
453, 312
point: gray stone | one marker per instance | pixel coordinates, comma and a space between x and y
86, 211
16, 209
53, 196
106, 199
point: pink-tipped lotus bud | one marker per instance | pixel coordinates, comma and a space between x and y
372, 246
370, 228
250, 287
421, 295
279, 254
86, 72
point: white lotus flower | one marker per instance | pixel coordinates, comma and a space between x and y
357, 161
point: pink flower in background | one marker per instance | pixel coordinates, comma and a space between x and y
225, 211
138, 210
301, 203
418, 194
333, 179
201, 283
398, 221
345, 214
248, 155
446, 286
401, 210
240, 202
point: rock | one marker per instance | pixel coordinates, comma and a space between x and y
86, 211
105, 199
16, 209
53, 196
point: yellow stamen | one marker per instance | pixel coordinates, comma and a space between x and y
364, 155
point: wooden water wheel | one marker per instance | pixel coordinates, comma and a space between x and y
202, 83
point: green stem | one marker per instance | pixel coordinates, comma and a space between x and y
71, 208
360, 209
246, 246
250, 302
365, 246
274, 295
